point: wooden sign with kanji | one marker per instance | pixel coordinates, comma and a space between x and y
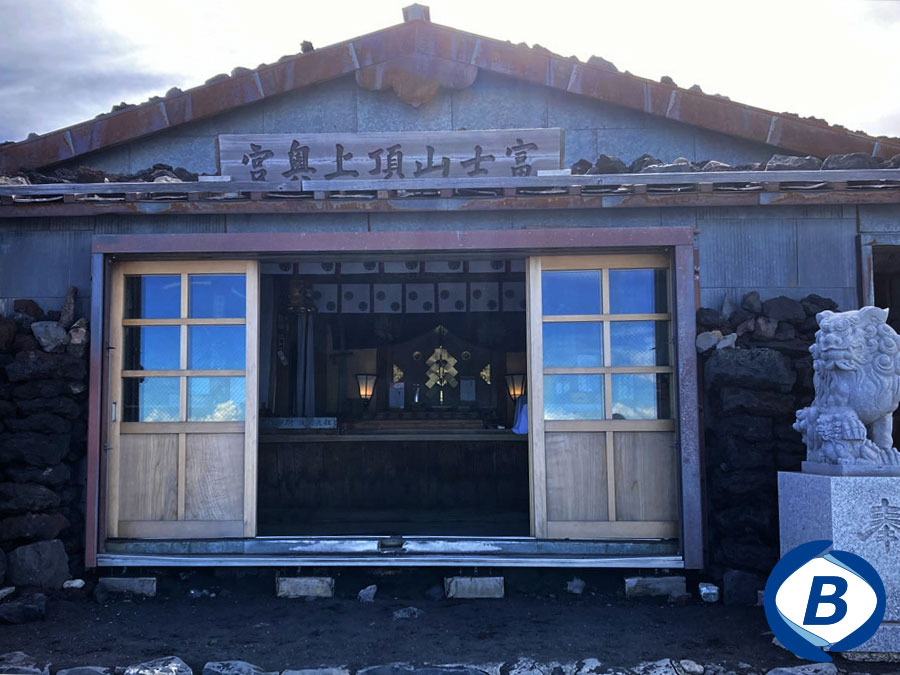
393, 156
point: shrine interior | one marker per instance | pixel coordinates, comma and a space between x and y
389, 390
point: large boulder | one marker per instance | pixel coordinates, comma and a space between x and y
25, 497
608, 164
44, 564
7, 334
61, 405
29, 607
234, 668
51, 476
813, 304
40, 365
755, 555
680, 165
40, 389
710, 319
735, 400
67, 313
28, 307
748, 427
51, 335
33, 526
854, 160
642, 162
763, 369
168, 665
784, 308
46, 423
581, 167
715, 165
20, 663
34, 448
791, 163
741, 588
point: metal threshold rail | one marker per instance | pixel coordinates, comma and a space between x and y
172, 560
391, 551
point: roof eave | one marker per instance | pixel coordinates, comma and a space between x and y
432, 41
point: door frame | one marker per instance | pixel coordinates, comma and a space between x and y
248, 428
867, 244
613, 526
539, 241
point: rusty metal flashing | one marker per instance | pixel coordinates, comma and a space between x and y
522, 242
758, 188
416, 58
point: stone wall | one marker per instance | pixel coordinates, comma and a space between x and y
43, 437
757, 372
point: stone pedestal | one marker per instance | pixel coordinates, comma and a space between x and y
860, 514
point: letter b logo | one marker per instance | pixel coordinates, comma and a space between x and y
817, 598
816, 602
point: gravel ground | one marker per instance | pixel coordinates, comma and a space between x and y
537, 620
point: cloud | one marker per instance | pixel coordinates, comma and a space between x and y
63, 62
883, 11
61, 66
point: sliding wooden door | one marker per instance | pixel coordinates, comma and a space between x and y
183, 400
604, 459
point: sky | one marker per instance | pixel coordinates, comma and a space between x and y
63, 62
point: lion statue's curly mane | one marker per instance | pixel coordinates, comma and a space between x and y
856, 359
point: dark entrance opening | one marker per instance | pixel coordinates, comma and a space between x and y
388, 397
886, 266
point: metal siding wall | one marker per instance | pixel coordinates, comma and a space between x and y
172, 224
40, 265
879, 218
326, 222
791, 251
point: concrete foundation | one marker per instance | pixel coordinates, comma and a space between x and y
473, 587
145, 586
859, 514
304, 587
639, 587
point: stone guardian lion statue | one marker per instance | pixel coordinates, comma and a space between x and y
856, 359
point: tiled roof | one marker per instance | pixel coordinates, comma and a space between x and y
417, 57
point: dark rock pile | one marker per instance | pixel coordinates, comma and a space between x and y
84, 174
606, 164
43, 429
757, 372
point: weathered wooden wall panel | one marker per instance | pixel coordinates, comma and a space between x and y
148, 485
577, 487
214, 477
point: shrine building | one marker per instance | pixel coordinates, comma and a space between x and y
380, 303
